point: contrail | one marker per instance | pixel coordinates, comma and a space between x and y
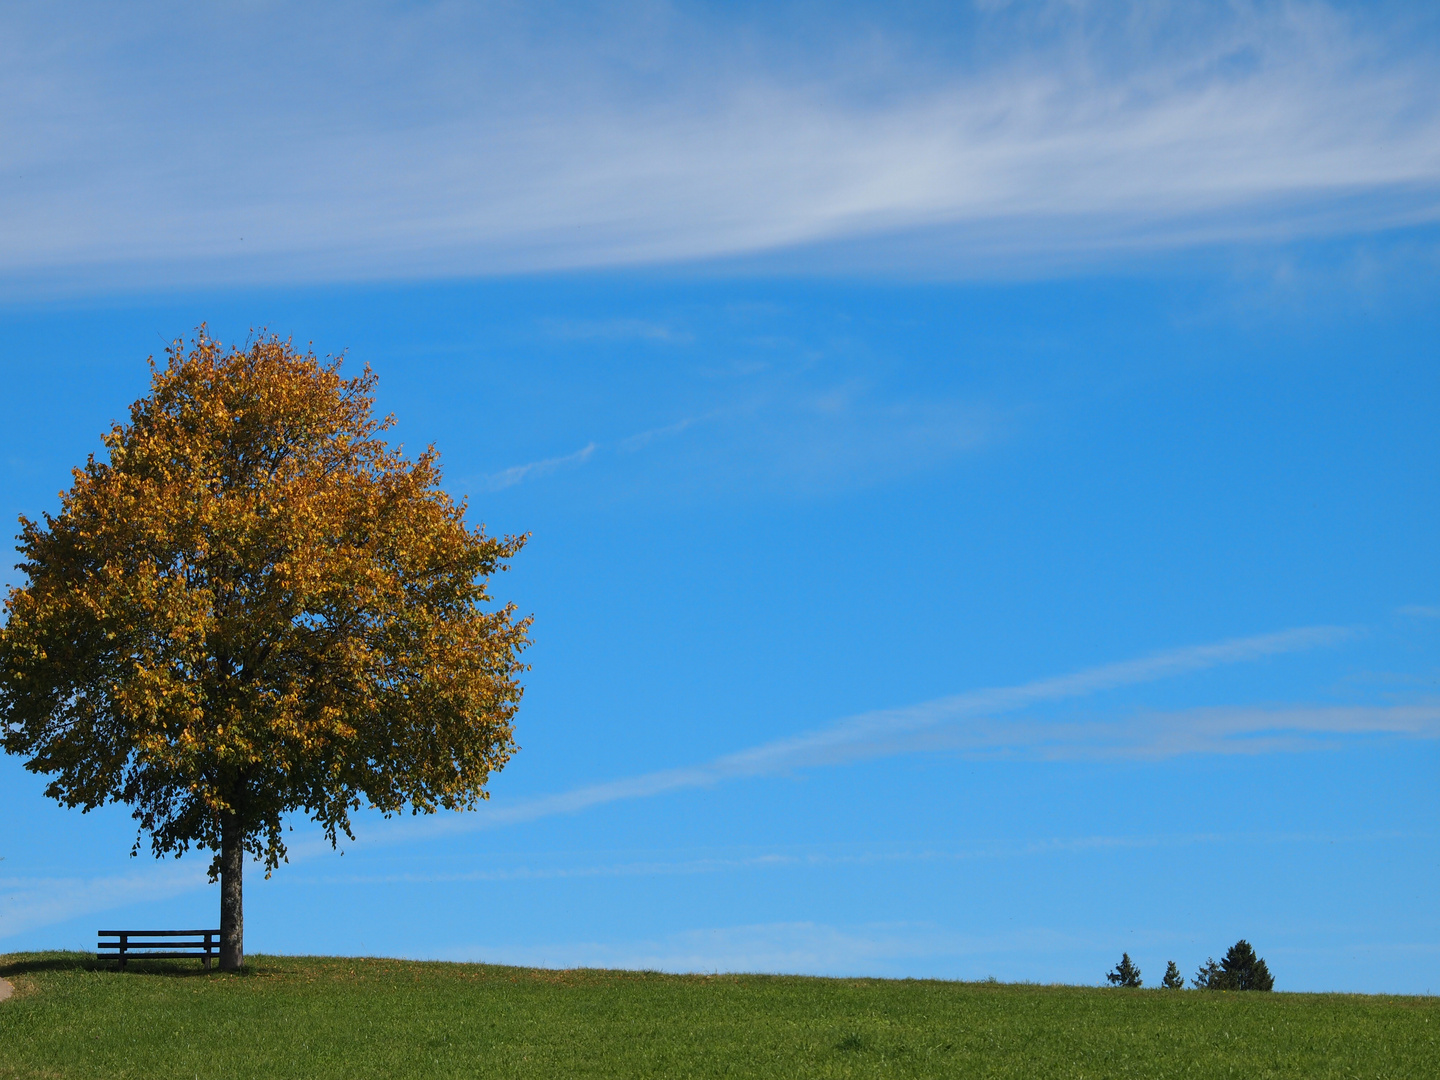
887, 731
962, 722
516, 473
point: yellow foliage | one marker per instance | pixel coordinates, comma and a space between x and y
255, 607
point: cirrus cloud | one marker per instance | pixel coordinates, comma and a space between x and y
270, 142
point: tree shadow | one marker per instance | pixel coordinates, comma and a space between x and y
37, 963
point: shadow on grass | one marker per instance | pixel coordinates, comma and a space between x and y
852, 1043
36, 963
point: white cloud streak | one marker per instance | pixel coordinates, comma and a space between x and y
1064, 954
963, 723
790, 859
516, 473
645, 438
966, 723
533, 470
1231, 730
812, 948
615, 330
811, 442
30, 902
160, 143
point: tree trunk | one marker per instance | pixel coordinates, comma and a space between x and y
232, 916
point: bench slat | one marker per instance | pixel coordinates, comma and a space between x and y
184, 945
155, 933
156, 956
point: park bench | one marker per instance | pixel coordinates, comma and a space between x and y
158, 945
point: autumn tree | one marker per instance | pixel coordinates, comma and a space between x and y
255, 607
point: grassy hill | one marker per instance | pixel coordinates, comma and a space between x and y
307, 1017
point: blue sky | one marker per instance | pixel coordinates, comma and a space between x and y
980, 461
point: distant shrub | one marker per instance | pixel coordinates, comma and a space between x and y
1240, 970
1173, 979
1125, 973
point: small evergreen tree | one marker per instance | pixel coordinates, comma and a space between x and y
1125, 973
1240, 970
1173, 979
1209, 977
1244, 970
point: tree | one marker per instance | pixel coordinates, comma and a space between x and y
1241, 969
256, 607
1125, 973
1173, 979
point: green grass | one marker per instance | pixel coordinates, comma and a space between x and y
310, 1017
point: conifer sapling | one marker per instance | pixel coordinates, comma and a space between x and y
1125, 973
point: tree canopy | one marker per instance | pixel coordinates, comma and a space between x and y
254, 607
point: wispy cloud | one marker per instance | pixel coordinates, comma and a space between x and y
30, 902
791, 440
644, 438
427, 139
812, 948
531, 470
846, 436
1419, 611
831, 856
1233, 730
966, 723
615, 330
918, 949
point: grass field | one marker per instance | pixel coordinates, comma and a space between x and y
334, 1017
